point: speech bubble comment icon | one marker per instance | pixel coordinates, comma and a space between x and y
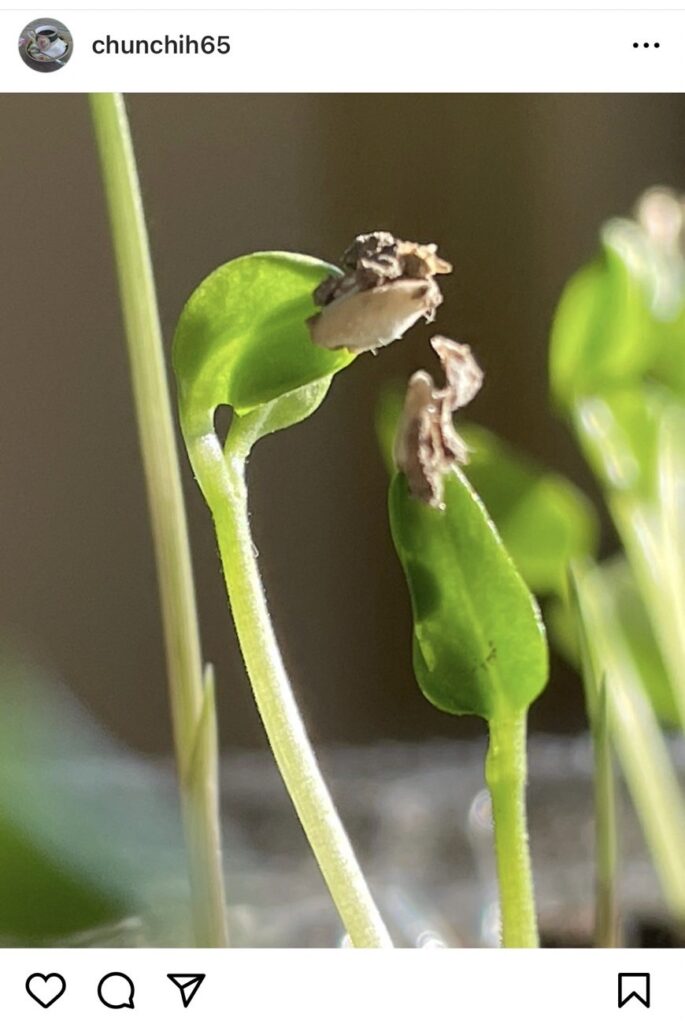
116, 990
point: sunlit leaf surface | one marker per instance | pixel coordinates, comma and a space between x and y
479, 643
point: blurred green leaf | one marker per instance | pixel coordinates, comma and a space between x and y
617, 364
599, 329
669, 364
636, 629
242, 338
618, 431
543, 519
562, 629
86, 835
621, 317
479, 642
670, 531
43, 897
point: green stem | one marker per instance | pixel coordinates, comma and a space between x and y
652, 782
649, 525
606, 842
222, 479
505, 774
190, 715
656, 566
639, 743
607, 931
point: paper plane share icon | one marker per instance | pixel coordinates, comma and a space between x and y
187, 984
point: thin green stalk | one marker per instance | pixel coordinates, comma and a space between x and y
649, 525
191, 704
657, 572
607, 930
222, 479
607, 933
637, 738
652, 782
505, 774
671, 533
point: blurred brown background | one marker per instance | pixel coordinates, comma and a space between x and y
511, 187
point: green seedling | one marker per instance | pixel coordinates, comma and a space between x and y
265, 334
616, 368
616, 364
479, 643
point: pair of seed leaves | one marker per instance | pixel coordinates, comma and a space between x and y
242, 340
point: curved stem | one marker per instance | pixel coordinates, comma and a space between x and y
191, 703
222, 479
505, 773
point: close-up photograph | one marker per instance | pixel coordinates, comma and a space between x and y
343, 514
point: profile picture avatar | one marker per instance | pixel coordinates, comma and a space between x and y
45, 45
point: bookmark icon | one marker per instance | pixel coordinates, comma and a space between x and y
634, 986
187, 984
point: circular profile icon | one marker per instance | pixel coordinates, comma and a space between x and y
45, 44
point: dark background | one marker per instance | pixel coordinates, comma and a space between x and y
513, 189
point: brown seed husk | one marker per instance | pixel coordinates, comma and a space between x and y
387, 286
427, 446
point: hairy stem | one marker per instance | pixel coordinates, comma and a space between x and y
505, 774
193, 721
222, 479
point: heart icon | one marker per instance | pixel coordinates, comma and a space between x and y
46, 989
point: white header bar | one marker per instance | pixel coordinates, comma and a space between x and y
473, 6
342, 51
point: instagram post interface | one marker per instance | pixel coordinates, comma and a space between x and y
343, 476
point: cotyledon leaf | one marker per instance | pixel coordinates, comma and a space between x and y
242, 338
543, 519
479, 643
598, 333
621, 317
